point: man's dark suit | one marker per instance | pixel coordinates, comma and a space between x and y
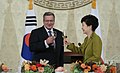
37, 46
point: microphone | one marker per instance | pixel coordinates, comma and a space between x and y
64, 37
79, 44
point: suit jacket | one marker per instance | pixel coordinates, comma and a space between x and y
37, 46
91, 48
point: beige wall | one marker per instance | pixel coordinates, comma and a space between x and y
12, 19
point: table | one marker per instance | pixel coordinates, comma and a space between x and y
70, 57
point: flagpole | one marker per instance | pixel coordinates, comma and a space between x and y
30, 5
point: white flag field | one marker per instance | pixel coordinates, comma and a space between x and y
94, 11
30, 24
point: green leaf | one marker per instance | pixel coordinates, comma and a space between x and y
27, 71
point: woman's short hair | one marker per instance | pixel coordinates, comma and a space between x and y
90, 20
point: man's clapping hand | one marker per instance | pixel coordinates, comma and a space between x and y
50, 40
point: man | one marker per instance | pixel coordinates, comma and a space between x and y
45, 45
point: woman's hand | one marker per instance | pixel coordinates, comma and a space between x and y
66, 42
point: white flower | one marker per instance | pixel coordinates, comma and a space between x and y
103, 67
43, 62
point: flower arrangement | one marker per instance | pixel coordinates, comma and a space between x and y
37, 67
79, 67
3, 68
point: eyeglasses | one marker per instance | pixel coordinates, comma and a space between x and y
49, 20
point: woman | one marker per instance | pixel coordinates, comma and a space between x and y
92, 46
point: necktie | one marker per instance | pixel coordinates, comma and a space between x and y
50, 33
